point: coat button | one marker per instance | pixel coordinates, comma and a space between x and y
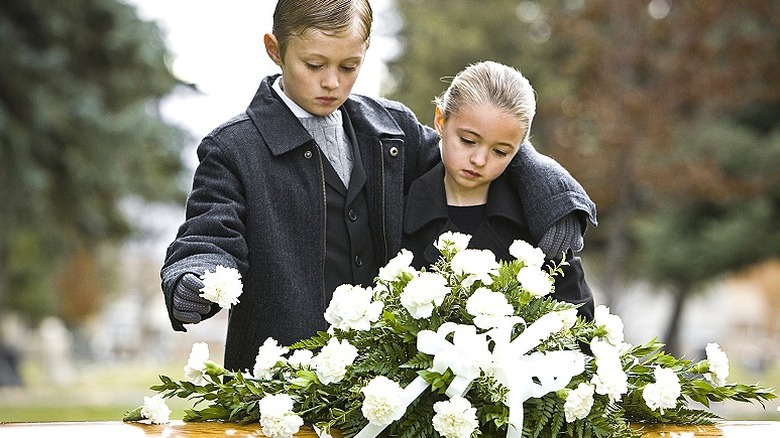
352, 214
393, 151
307, 154
358, 261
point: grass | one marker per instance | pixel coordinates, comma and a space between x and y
95, 393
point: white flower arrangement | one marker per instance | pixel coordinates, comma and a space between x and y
470, 346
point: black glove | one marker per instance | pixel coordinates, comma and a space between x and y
188, 306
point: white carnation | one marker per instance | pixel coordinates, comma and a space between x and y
397, 266
331, 363
268, 355
451, 240
610, 379
719, 364
155, 410
384, 401
578, 402
488, 308
195, 370
277, 417
223, 286
423, 293
300, 358
352, 308
662, 394
530, 255
455, 418
537, 282
611, 323
475, 264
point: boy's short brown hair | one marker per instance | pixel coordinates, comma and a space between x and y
295, 17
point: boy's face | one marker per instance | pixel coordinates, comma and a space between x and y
318, 69
477, 144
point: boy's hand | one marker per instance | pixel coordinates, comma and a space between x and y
188, 306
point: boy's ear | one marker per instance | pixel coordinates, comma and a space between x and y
272, 48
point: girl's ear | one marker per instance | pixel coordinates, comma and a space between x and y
272, 48
438, 120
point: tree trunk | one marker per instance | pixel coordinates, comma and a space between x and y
672, 336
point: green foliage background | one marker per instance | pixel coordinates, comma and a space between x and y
79, 133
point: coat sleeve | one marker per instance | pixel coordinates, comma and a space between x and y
548, 191
571, 286
213, 232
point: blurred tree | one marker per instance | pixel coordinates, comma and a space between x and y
634, 98
80, 83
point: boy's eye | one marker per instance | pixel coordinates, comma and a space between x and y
311, 66
349, 68
500, 153
469, 141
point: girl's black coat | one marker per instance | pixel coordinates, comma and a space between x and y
426, 218
257, 204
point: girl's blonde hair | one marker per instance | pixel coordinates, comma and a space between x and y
295, 17
494, 83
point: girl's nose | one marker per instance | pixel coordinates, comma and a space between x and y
479, 157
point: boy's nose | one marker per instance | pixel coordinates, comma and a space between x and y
331, 80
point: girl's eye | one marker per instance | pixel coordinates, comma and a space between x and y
311, 66
349, 68
468, 141
500, 153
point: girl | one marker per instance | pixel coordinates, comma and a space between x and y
304, 191
483, 118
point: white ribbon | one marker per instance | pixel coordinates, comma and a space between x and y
468, 354
516, 370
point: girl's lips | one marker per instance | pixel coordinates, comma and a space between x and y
471, 174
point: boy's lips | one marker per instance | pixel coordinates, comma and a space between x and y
326, 100
471, 173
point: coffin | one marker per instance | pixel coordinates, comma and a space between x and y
179, 429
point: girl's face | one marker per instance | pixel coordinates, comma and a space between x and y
319, 70
477, 144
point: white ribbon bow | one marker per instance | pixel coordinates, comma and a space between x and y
516, 370
468, 354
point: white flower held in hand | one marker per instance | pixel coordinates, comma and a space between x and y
384, 401
223, 286
277, 418
156, 410
455, 418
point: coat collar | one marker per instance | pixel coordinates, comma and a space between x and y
282, 131
427, 201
